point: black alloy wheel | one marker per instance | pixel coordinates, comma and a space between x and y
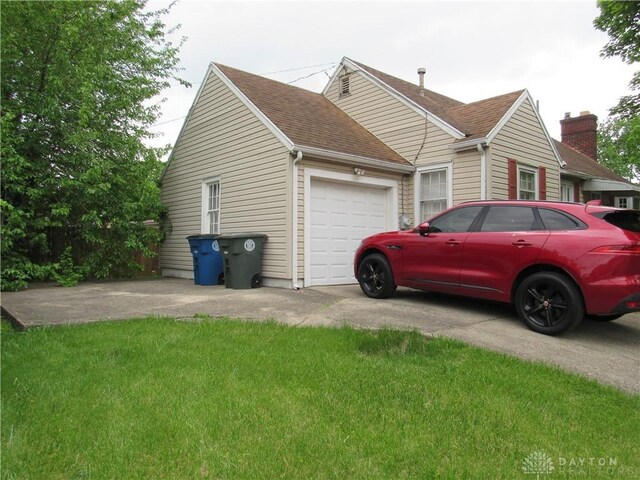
549, 303
375, 277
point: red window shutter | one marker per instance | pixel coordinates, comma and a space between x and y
542, 183
513, 179
576, 192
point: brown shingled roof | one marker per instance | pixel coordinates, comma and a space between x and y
475, 119
479, 118
309, 119
579, 163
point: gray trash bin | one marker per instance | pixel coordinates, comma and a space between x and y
242, 253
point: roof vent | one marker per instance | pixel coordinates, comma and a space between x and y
421, 72
345, 87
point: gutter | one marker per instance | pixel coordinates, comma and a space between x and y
350, 159
468, 144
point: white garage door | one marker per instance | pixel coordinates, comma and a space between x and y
341, 215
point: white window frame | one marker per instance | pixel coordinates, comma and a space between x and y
448, 167
628, 202
531, 170
570, 189
206, 211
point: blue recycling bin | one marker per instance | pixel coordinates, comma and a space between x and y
208, 267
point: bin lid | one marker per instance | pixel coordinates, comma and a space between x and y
242, 235
204, 236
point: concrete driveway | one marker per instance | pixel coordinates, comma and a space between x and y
608, 352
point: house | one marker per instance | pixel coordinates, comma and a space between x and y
317, 172
583, 178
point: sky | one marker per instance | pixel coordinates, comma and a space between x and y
471, 50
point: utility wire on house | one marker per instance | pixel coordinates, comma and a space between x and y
325, 70
328, 65
310, 75
167, 121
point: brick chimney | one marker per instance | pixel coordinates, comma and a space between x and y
580, 133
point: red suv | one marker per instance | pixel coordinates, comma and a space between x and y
556, 262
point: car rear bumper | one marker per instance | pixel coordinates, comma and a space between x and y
613, 298
628, 304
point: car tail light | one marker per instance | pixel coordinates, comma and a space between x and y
632, 304
624, 249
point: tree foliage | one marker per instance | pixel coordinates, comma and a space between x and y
619, 146
78, 79
619, 135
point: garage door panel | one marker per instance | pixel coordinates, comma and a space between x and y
341, 216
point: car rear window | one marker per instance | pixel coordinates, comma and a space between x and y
555, 220
625, 219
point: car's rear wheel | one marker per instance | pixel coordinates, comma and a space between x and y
375, 277
549, 303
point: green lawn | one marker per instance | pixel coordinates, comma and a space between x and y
171, 399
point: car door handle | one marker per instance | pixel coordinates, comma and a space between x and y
453, 242
521, 243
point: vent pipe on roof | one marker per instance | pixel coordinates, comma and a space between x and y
421, 72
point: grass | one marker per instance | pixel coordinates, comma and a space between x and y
170, 399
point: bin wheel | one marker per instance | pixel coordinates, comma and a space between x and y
221, 279
256, 281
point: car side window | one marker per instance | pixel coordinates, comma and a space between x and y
458, 220
509, 219
555, 220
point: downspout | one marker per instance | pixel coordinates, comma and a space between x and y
294, 222
482, 148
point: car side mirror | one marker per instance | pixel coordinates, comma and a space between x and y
424, 229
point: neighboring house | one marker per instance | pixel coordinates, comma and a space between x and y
583, 178
319, 172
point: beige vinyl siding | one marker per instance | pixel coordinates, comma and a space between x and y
393, 122
466, 176
524, 140
397, 125
224, 139
333, 167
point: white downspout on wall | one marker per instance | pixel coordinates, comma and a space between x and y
294, 222
482, 148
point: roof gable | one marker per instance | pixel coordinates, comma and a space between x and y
474, 122
309, 119
431, 101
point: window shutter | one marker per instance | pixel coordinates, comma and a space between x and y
513, 179
542, 183
576, 192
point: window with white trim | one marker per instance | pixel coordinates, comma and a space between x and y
567, 192
433, 192
624, 202
527, 183
211, 206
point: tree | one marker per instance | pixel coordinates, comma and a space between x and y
619, 146
621, 20
619, 135
78, 79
